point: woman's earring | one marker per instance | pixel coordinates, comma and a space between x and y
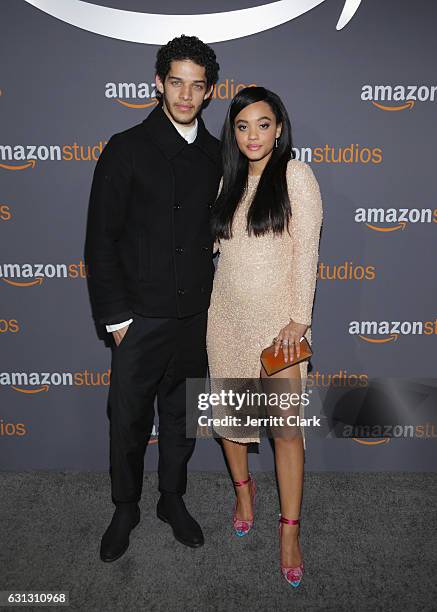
276, 142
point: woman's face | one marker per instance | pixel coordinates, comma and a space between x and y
255, 130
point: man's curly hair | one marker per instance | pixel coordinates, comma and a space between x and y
187, 48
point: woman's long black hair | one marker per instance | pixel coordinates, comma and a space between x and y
270, 209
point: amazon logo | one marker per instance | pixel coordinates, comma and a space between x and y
11, 166
34, 383
34, 274
37, 383
370, 442
32, 391
143, 95
23, 157
393, 219
397, 97
384, 332
22, 283
132, 95
158, 29
384, 433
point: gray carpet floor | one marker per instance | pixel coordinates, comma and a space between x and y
369, 543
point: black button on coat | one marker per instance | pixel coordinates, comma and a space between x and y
148, 246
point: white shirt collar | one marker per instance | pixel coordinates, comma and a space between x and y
188, 133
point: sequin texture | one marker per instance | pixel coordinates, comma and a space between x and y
261, 282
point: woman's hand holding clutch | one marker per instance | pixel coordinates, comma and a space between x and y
289, 338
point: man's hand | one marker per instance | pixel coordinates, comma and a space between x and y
119, 334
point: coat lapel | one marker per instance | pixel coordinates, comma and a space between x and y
158, 127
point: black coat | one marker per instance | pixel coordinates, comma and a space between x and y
146, 249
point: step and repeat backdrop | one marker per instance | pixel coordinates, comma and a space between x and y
359, 82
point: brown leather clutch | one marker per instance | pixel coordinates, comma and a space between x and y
274, 364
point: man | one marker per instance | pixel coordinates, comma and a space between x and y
149, 255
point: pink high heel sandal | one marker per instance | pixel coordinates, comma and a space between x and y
243, 526
293, 575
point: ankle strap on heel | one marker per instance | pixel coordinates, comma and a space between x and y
240, 483
287, 521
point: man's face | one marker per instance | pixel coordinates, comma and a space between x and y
183, 90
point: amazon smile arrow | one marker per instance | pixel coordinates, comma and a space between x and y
154, 29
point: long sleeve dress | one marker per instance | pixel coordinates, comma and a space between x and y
260, 283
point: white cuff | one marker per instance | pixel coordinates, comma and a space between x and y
111, 328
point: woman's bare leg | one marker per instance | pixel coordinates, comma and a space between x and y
289, 460
236, 455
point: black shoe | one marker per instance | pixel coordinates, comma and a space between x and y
115, 540
171, 509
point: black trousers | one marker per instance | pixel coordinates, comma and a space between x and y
154, 358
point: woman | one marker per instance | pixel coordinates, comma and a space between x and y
266, 223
